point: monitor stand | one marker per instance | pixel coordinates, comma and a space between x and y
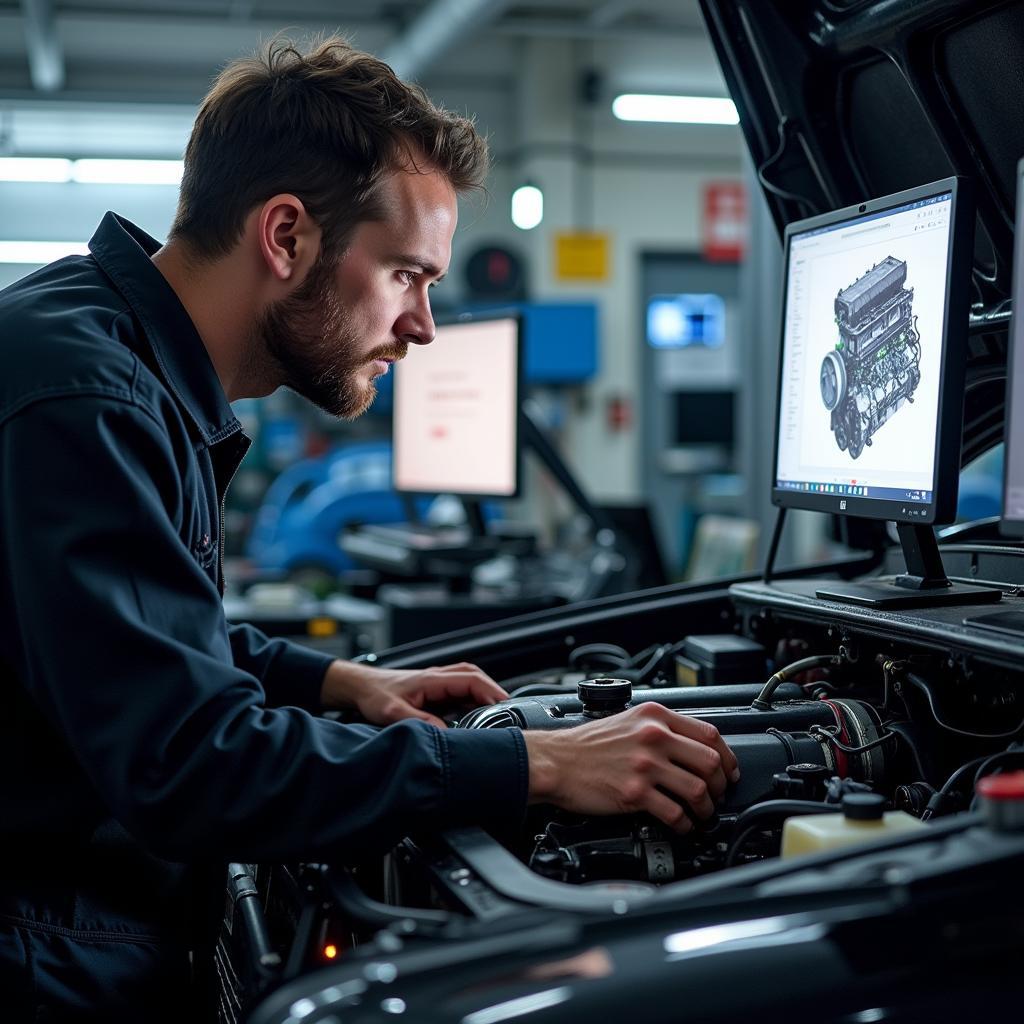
924, 584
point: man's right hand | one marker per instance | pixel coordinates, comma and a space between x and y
638, 760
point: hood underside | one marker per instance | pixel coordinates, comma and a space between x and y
846, 100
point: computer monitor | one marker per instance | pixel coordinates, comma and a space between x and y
456, 426
871, 375
1013, 473
871, 378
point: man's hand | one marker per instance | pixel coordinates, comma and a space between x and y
383, 695
646, 759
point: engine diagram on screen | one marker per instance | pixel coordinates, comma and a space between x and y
875, 366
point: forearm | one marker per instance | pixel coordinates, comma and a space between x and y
291, 675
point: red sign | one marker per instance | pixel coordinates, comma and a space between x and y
725, 221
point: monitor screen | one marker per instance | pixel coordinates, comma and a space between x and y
871, 375
1013, 479
456, 411
704, 417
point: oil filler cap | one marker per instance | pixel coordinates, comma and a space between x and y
603, 697
863, 806
1002, 797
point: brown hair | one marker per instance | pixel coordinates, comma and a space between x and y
326, 126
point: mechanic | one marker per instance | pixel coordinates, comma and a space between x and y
143, 740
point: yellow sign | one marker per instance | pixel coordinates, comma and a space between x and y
582, 256
321, 627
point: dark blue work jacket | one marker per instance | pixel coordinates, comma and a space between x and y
142, 738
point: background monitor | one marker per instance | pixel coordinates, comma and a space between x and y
1013, 473
704, 417
870, 391
456, 411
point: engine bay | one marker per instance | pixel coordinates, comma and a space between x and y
825, 711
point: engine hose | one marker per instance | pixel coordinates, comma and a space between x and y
763, 701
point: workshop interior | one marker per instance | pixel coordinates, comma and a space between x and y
724, 411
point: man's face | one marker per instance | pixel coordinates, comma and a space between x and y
346, 323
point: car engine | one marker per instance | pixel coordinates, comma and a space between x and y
875, 366
792, 753
823, 727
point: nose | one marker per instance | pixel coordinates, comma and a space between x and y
416, 325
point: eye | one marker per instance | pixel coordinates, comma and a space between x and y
408, 276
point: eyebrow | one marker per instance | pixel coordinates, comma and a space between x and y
423, 263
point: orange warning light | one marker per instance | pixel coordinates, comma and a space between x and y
330, 951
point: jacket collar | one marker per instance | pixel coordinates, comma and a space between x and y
123, 252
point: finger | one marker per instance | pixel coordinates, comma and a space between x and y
700, 760
464, 667
689, 787
463, 684
668, 811
485, 690
706, 733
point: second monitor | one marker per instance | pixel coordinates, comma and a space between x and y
456, 412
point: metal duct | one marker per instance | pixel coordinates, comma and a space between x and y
435, 30
45, 57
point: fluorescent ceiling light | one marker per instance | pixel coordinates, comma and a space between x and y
527, 207
39, 252
128, 172
92, 172
675, 109
25, 168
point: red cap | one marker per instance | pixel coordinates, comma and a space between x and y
1009, 786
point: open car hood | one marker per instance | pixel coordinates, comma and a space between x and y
844, 100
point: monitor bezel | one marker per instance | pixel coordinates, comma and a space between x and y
477, 318
949, 420
1008, 526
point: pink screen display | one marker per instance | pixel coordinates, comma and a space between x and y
456, 411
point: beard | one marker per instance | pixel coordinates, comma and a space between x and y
313, 347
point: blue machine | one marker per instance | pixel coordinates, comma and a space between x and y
308, 506
310, 503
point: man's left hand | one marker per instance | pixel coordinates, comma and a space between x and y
383, 695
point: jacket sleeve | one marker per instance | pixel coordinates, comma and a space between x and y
289, 673
121, 641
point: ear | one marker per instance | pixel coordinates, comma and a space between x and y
289, 238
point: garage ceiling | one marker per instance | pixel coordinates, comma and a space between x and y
167, 50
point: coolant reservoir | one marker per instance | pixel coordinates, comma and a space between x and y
862, 820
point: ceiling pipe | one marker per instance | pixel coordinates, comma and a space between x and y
435, 30
544, 28
45, 57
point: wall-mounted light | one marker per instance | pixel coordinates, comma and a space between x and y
94, 172
675, 109
527, 207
